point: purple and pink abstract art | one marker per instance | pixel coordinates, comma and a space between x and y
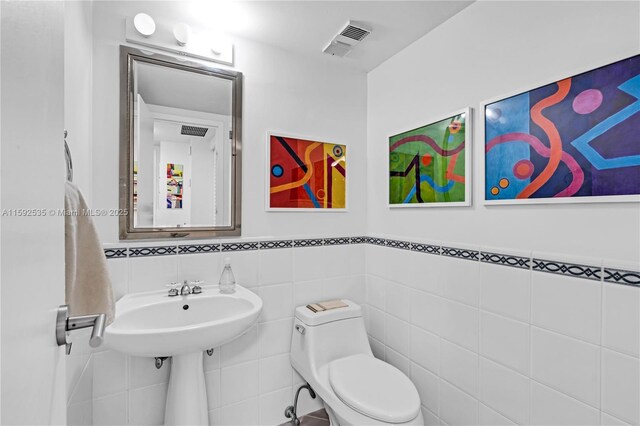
577, 137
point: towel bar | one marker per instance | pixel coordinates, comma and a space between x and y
65, 323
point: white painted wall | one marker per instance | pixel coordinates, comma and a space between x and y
78, 81
322, 99
490, 49
147, 169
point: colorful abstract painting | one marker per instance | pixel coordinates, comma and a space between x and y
305, 174
577, 139
429, 166
174, 185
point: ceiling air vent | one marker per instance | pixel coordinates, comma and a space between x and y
344, 41
193, 131
354, 33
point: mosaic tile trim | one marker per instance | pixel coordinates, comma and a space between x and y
399, 244
115, 253
151, 251
461, 253
621, 276
376, 241
312, 242
425, 248
358, 240
266, 245
570, 269
336, 241
506, 260
611, 275
198, 248
239, 246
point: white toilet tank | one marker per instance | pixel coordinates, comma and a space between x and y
321, 337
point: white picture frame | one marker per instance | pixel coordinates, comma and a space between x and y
634, 198
267, 174
468, 156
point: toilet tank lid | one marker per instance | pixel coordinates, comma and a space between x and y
308, 317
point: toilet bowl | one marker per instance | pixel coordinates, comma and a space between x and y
331, 351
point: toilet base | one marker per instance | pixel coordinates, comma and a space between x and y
333, 421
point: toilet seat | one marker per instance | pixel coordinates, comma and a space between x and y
374, 388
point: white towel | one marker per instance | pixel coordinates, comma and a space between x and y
88, 287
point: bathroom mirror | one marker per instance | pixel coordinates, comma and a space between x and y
180, 147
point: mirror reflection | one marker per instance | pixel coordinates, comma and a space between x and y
182, 148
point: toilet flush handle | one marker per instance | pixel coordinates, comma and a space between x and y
300, 329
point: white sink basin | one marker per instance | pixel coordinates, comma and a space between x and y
154, 324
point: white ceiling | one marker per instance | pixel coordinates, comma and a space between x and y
185, 90
305, 27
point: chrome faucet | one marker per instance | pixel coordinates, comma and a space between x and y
185, 290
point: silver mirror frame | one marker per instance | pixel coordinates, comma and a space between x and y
127, 231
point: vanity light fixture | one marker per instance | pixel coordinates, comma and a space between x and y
179, 38
144, 24
182, 33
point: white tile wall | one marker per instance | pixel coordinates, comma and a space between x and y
484, 344
620, 313
621, 386
565, 304
566, 364
499, 345
250, 380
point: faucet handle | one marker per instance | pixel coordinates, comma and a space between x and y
196, 286
173, 290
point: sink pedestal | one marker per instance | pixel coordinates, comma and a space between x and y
187, 394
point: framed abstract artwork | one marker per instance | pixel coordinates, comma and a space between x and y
574, 140
174, 185
305, 174
430, 166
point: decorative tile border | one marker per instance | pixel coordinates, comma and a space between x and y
336, 241
198, 248
376, 241
506, 260
312, 242
266, 245
570, 269
239, 246
115, 253
590, 272
425, 248
151, 251
621, 276
461, 253
399, 244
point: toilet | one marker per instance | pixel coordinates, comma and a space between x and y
331, 351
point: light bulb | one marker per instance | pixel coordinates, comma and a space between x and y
182, 33
144, 24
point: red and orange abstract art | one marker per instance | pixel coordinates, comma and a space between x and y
305, 174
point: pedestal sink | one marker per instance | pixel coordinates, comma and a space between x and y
153, 324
